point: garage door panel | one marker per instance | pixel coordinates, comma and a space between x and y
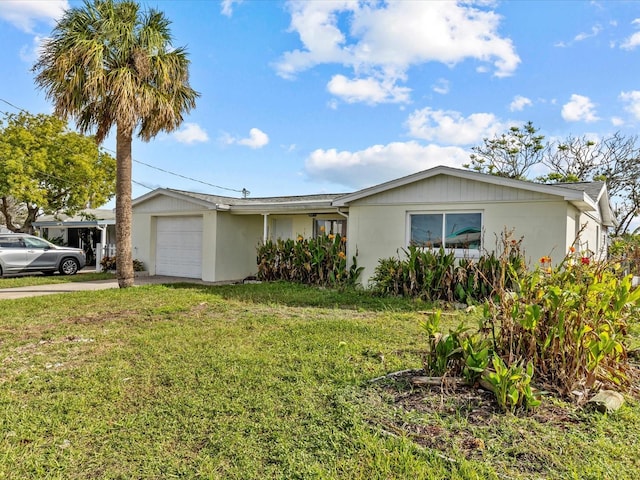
179, 246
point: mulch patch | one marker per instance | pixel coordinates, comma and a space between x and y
454, 416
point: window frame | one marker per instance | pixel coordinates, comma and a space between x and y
459, 252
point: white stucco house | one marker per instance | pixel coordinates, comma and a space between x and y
214, 238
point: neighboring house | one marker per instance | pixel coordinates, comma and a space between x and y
215, 238
84, 230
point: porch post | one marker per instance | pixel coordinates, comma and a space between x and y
265, 227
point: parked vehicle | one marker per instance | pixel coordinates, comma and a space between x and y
20, 253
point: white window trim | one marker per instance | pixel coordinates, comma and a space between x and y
459, 252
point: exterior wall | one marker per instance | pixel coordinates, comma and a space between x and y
166, 205
380, 231
237, 238
593, 239
209, 244
141, 239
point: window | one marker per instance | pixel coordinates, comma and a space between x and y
36, 243
333, 227
11, 242
448, 230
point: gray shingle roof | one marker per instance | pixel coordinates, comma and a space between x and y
592, 189
218, 199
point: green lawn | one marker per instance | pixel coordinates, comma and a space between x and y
262, 381
39, 279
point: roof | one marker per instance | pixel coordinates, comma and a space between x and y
586, 196
593, 189
318, 203
89, 217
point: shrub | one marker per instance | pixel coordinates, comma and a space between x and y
564, 327
570, 321
436, 274
109, 263
316, 261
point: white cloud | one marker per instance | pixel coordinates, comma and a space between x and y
24, 15
367, 90
256, 139
30, 53
226, 7
632, 99
617, 121
634, 40
519, 102
382, 40
451, 127
380, 163
579, 108
441, 86
191, 133
595, 30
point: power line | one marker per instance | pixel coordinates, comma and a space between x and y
182, 176
243, 191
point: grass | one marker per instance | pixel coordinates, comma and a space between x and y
39, 279
260, 381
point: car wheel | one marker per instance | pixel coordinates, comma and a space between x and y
69, 266
0, 272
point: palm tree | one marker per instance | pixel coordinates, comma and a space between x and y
109, 63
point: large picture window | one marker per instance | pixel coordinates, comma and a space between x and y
448, 230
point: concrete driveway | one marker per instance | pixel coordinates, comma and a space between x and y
37, 290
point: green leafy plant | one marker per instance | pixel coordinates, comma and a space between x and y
511, 384
570, 321
436, 274
316, 261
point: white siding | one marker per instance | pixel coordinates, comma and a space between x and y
166, 204
444, 188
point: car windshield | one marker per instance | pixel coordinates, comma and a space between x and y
33, 242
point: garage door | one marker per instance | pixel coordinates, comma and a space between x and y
179, 246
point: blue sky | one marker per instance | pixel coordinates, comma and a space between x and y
321, 96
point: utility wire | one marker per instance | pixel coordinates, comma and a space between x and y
180, 175
244, 191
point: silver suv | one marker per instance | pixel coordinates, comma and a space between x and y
20, 252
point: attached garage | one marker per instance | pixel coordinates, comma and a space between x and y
213, 238
179, 246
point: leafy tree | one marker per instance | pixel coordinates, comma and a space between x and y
614, 159
510, 154
47, 169
109, 63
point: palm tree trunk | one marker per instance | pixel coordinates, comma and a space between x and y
124, 260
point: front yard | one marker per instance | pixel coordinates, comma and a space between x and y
264, 381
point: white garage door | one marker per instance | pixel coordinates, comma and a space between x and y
179, 246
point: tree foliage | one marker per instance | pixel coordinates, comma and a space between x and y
46, 169
614, 159
108, 63
511, 154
